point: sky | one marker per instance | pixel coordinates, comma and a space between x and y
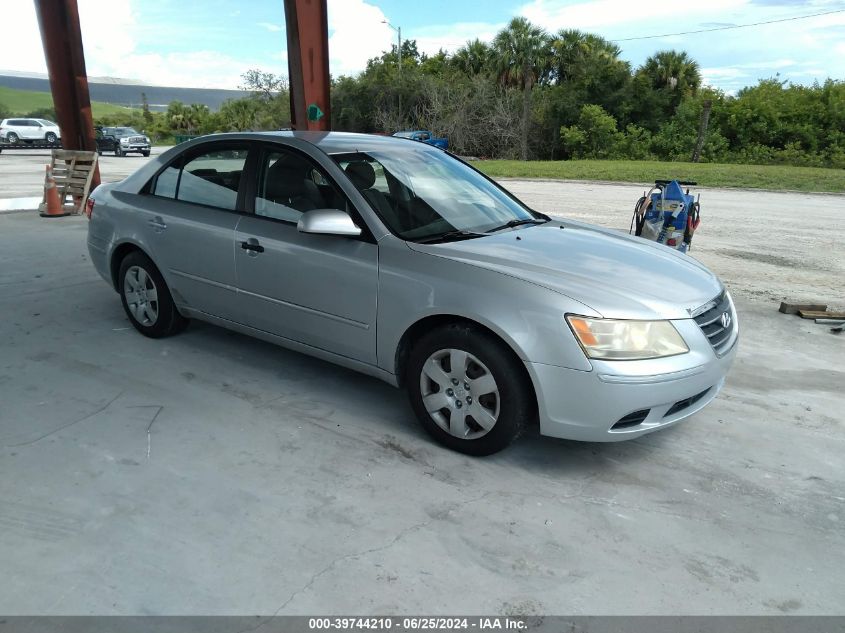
210, 43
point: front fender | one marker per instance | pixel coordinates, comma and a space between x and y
527, 317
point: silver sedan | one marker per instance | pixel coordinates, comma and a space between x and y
399, 260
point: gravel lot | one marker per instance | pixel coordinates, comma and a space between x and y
211, 473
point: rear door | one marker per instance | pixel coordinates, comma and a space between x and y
189, 222
32, 130
320, 290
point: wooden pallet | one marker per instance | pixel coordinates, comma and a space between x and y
73, 171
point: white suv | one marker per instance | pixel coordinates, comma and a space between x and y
14, 130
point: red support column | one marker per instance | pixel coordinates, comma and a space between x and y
308, 64
61, 37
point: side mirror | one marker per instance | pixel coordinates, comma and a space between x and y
327, 222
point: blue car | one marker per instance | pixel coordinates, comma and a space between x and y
424, 136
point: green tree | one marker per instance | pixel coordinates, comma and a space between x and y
594, 136
673, 70
521, 53
677, 137
145, 108
473, 58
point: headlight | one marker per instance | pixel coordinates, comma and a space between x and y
147, 139
612, 339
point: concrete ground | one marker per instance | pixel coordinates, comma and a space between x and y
210, 473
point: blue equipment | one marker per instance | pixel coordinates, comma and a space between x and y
667, 214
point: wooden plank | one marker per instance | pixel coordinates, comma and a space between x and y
71, 181
73, 168
793, 308
62, 154
820, 314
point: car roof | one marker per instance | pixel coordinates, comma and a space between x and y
328, 142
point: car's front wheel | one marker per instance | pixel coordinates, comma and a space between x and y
468, 390
51, 137
117, 150
146, 153
146, 298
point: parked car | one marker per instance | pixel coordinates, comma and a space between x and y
29, 130
405, 263
121, 141
424, 136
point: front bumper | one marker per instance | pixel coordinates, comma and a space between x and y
586, 405
135, 147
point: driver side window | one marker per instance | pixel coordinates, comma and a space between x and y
290, 184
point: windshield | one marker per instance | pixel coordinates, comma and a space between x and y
421, 194
125, 131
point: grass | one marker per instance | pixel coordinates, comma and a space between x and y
775, 177
20, 102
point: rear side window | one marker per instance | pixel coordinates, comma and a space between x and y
211, 178
166, 183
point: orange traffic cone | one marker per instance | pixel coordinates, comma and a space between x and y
52, 206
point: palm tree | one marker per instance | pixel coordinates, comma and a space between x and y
195, 115
472, 58
576, 54
673, 70
521, 53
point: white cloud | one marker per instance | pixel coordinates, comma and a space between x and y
451, 37
20, 47
108, 56
661, 15
273, 28
356, 34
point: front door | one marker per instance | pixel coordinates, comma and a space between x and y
320, 290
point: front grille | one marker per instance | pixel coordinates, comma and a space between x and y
680, 405
711, 322
137, 139
632, 419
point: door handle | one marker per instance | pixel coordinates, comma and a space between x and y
252, 247
157, 224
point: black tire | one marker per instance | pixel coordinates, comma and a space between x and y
146, 154
99, 152
168, 321
117, 150
51, 137
12, 138
516, 401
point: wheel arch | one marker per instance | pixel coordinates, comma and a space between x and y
427, 323
118, 255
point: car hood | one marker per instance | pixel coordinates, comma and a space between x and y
617, 275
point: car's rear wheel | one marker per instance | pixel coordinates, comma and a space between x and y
117, 150
146, 298
12, 138
51, 137
467, 391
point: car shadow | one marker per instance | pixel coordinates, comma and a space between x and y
387, 410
